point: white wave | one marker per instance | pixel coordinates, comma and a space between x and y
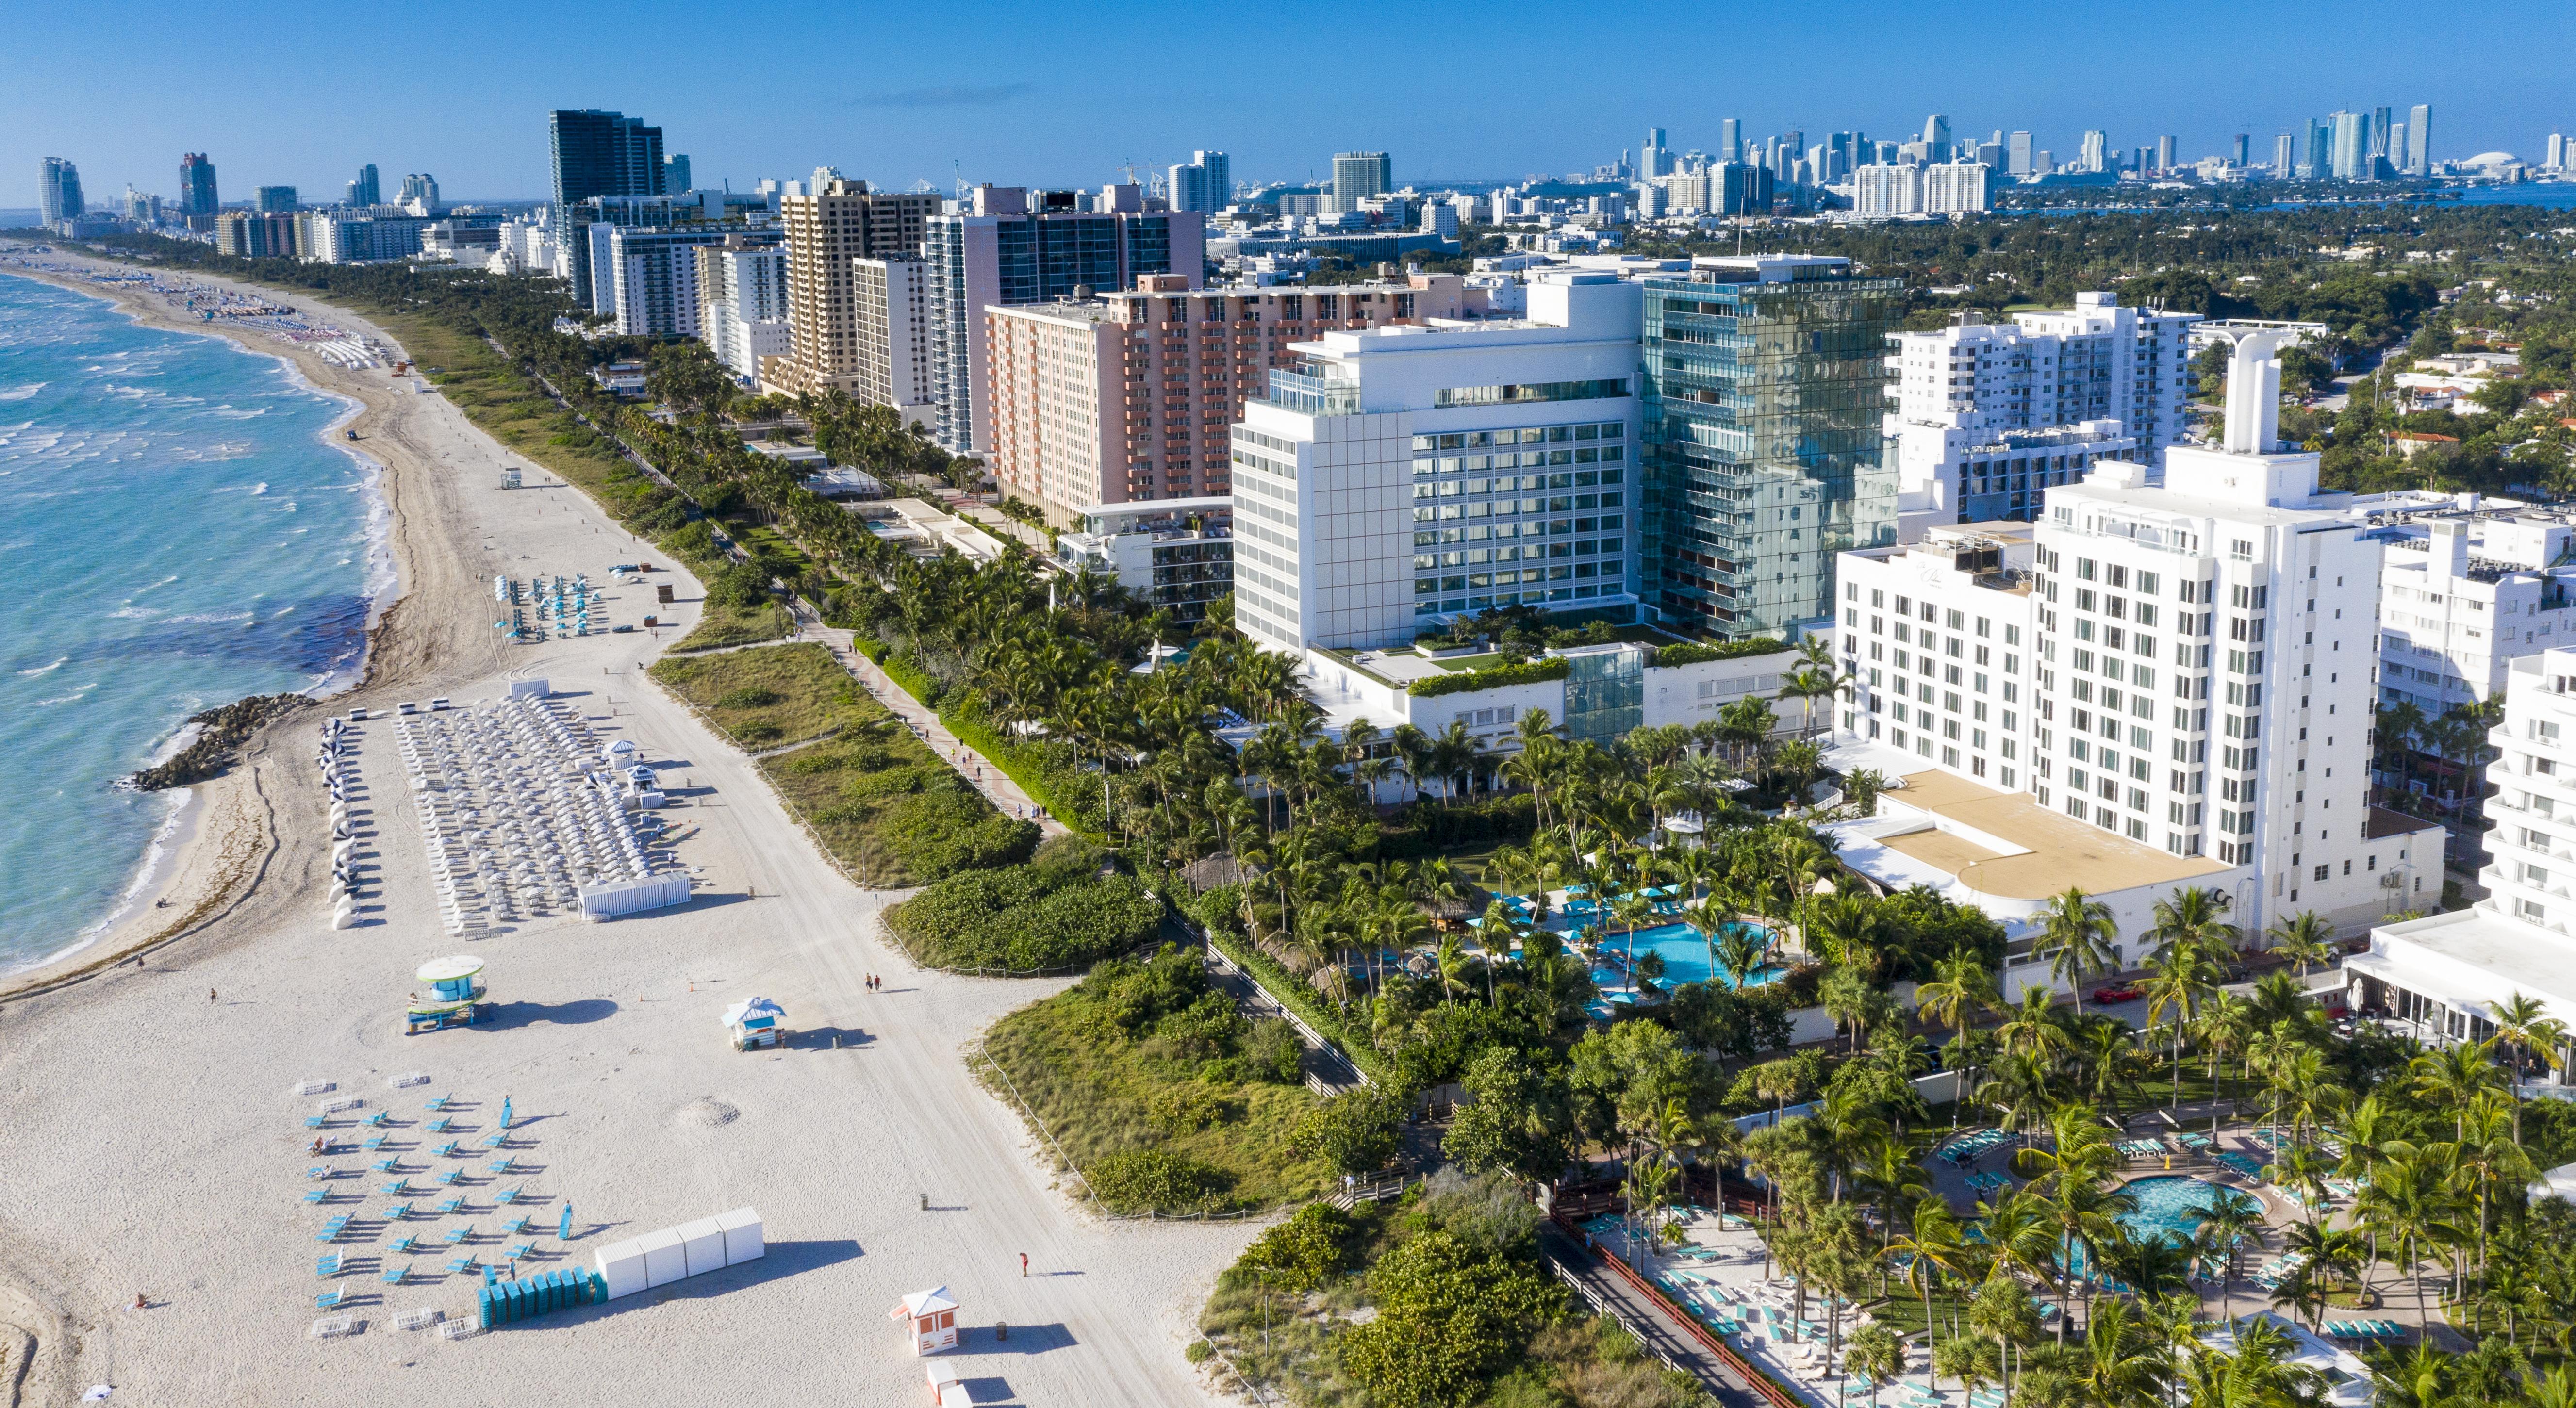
72, 698
256, 489
47, 669
210, 618
21, 393
133, 613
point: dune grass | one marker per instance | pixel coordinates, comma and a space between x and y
721, 626
772, 697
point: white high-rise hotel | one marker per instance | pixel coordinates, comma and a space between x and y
1986, 416
1408, 472
2201, 671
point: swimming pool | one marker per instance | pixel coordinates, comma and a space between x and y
2171, 1206
1684, 952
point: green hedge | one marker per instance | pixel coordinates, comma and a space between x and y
1025, 918
1668, 656
1468, 681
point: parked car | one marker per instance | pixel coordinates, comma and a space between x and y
2116, 992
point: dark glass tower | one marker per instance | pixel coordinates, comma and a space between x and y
1766, 384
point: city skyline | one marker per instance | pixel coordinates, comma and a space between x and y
962, 104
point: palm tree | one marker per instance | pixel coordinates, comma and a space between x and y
2227, 1222
2524, 1025
2305, 939
2178, 977
2076, 931
1935, 1246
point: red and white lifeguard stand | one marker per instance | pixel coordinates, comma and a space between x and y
933, 1319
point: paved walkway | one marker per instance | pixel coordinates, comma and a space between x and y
1664, 1337
925, 725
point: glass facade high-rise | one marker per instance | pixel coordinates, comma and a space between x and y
58, 188
1766, 388
2419, 136
197, 196
365, 190
599, 153
1359, 175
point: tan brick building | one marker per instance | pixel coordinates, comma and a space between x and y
832, 343
1129, 397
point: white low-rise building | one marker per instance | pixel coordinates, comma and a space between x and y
2440, 976
1175, 553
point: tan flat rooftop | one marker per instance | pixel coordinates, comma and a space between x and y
2063, 851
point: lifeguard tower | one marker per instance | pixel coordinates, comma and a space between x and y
753, 1023
933, 1318
455, 999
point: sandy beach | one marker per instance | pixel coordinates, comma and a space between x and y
157, 1146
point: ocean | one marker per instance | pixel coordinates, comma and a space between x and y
179, 528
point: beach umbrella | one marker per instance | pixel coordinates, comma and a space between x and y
505, 1112
563, 1229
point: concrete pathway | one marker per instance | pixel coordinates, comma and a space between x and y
925, 725
1663, 1335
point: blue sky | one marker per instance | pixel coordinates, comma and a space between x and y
298, 93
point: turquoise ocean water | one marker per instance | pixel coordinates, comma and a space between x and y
177, 530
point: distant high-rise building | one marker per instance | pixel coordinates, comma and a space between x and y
829, 231
1655, 158
1936, 135
273, 200
1359, 175
1010, 245
59, 191
2241, 152
2419, 137
1202, 183
2096, 151
2557, 151
363, 191
742, 302
2382, 124
2348, 159
420, 188
1730, 140
2397, 159
599, 153
2285, 161
675, 175
2319, 165
144, 210
2017, 154
2165, 153
197, 195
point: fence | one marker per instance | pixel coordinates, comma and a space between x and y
1767, 1388
1314, 1039
1601, 1306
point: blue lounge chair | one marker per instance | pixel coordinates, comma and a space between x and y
315, 1122
373, 1143
514, 1227
506, 1195
438, 1126
447, 1178
398, 1212
461, 1265
446, 1150
519, 1250
377, 1120
458, 1236
405, 1244
328, 1264
436, 1104
394, 1275
497, 1141
326, 1300
400, 1187
451, 1207
315, 1195
502, 1165
386, 1165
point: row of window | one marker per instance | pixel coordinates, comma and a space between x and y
1525, 597
1607, 523
1490, 439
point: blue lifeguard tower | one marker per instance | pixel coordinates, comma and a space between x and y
455, 999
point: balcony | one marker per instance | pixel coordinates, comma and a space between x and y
1314, 395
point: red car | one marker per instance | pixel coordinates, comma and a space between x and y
2116, 993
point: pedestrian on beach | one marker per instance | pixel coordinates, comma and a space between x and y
1024, 1266
210, 994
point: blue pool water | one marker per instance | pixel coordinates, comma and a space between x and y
2171, 1205
180, 532
1685, 957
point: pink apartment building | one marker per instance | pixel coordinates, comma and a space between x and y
1129, 397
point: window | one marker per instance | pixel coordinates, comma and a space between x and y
2323, 871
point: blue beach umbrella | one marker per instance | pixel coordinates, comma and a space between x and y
563, 1229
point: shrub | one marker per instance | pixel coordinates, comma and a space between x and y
1022, 918
748, 697
944, 830
1157, 1180
739, 586
1186, 1107
1355, 1133
1448, 1319
1469, 681
1668, 656
1304, 1252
